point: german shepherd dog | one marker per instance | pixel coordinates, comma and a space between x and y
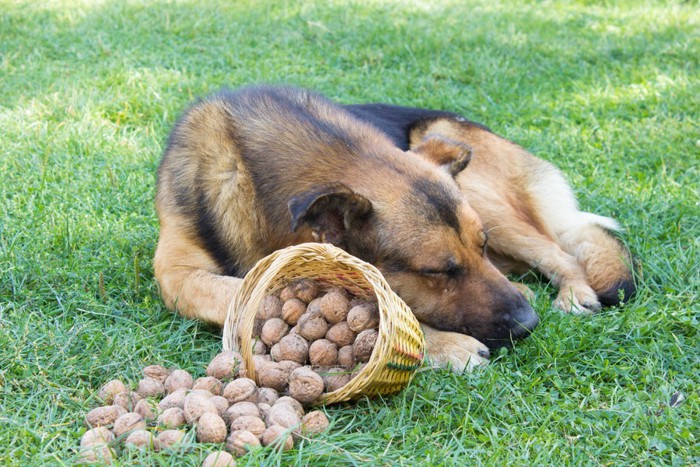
248, 172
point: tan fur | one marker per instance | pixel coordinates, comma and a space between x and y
209, 165
532, 217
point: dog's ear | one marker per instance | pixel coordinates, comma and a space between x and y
450, 154
330, 211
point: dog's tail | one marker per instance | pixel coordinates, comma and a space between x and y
607, 262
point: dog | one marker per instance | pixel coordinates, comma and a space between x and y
251, 171
527, 208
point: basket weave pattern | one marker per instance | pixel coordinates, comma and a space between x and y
400, 343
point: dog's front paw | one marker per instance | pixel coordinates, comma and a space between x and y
458, 352
577, 299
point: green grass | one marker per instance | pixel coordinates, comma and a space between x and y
608, 91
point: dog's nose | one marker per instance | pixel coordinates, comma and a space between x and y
523, 321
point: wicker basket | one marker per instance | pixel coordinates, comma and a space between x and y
400, 343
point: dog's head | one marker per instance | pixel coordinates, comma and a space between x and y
414, 224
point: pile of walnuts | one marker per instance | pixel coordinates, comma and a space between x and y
306, 343
156, 415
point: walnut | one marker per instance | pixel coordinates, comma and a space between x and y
211, 429
363, 317
364, 344
335, 306
291, 347
208, 383
323, 353
312, 326
341, 334
241, 389
240, 442
272, 375
109, 390
178, 379
149, 387
305, 385
273, 330
270, 307
292, 311
314, 423
128, 422
278, 437
225, 365
102, 416
172, 418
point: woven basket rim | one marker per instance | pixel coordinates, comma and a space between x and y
260, 282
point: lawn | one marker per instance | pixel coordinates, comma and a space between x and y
608, 91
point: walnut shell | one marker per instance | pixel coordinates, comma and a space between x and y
314, 423
268, 395
335, 378
264, 409
346, 359
219, 459
99, 435
364, 344
314, 306
110, 389
149, 387
283, 415
272, 375
270, 307
278, 437
148, 409
292, 347
249, 423
141, 439
323, 353
305, 385
240, 409
240, 442
197, 405
169, 439
173, 417
127, 400
287, 293
273, 330
305, 290
102, 416
292, 311
363, 317
178, 379
175, 399
288, 366
201, 392
225, 365
98, 453
334, 307
312, 326
341, 334
211, 429
293, 403
128, 422
239, 390
259, 347
221, 404
157, 372
208, 383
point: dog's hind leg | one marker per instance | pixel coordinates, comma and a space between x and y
584, 236
188, 278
